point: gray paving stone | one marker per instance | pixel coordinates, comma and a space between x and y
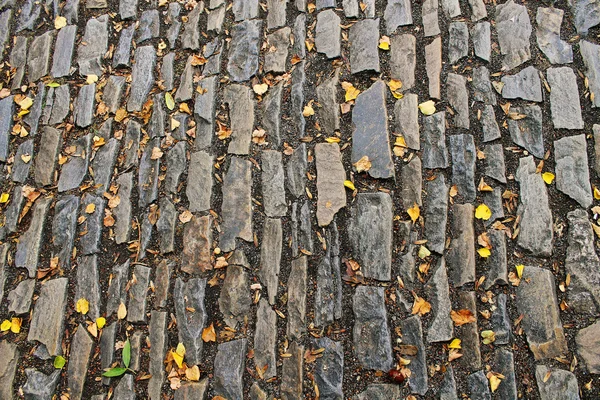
296, 171
148, 174
191, 316
403, 59
451, 8
166, 226
412, 183
244, 50
166, 71
136, 306
271, 113
40, 385
302, 234
174, 21
113, 91
30, 12
63, 51
83, 112
38, 58
197, 241
481, 36
30, 241
107, 348
162, 282
80, 353
497, 261
458, 41
586, 15
447, 390
482, 86
433, 65
564, 98
350, 8
527, 132
458, 98
124, 390
234, 299
199, 184
265, 339
292, 373
478, 10
122, 212
270, 256
131, 144
12, 214
190, 37
501, 324
70, 11
548, 38
128, 9
590, 53
5, 21
74, 170
469, 334
429, 13
280, 40
8, 367
241, 116
525, 85
561, 384
229, 368
275, 14
321, 4
364, 39
46, 158
47, 320
536, 233
490, 128
236, 210
478, 386
536, 300
407, 120
436, 213
142, 77
60, 101
412, 335
149, 26
371, 334
158, 348
117, 292
514, 30
273, 184
397, 13
90, 231
438, 294
330, 182
329, 369
299, 32
297, 95
35, 112
433, 138
18, 59
503, 363
461, 254
297, 294
64, 228
462, 150
20, 169
185, 91
122, 54
6, 124
572, 173
327, 34
176, 163
192, 390
379, 391
93, 46
216, 18
19, 299
587, 347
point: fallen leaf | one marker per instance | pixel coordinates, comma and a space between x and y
184, 108
494, 380
488, 337
120, 115
4, 198
424, 252
90, 208
260, 89
308, 111
169, 101
484, 252
15, 324
156, 153
520, 269
193, 373
122, 311
208, 334
454, 344
26, 158
384, 43
333, 139
100, 322
420, 306
60, 22
548, 177
363, 164
59, 362
596, 193
351, 93
91, 79
5, 326
427, 107
25, 103
462, 317
483, 212
82, 306
185, 216
414, 212
349, 185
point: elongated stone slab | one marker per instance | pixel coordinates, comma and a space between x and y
536, 232
403, 59
412, 335
81, 350
117, 292
174, 21
6, 124
364, 39
30, 242
75, 169
47, 320
19, 299
136, 304
296, 171
191, 316
107, 348
370, 232
327, 34
122, 54
57, 104
435, 153
524, 85
197, 239
12, 214
244, 50
588, 340
90, 231
149, 26
433, 65
527, 132
102, 166
292, 373
461, 254
128, 9
229, 368
379, 391
429, 13
88, 285
39, 385
548, 38
148, 174
158, 348
20, 169
586, 15
190, 37
490, 128
590, 53
438, 294
265, 339
38, 58
280, 41
536, 300
131, 145
234, 300
481, 36
302, 234
330, 182
63, 51
501, 324
458, 41
478, 386
471, 359
560, 384
328, 298
329, 369
564, 98
436, 213
572, 173
371, 334
497, 261
142, 77
166, 225
270, 256
236, 210
176, 162
241, 115
483, 87
329, 112
8, 367
199, 184
296, 304
297, 97
271, 117
462, 148
407, 120
411, 183
514, 29
397, 13
122, 211
503, 363
273, 184
93, 46
371, 137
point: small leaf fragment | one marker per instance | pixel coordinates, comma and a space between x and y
363, 164
349, 185
548, 177
484, 252
82, 306
424, 252
59, 362
5, 326
260, 89
4, 198
519, 269
420, 306
209, 334
455, 344
427, 107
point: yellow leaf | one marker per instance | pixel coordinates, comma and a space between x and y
82, 306
414, 212
91, 79
184, 108
488, 337
519, 269
26, 103
193, 373
349, 185
122, 311
90, 208
483, 212
494, 382
178, 358
383, 45
169, 101
454, 344
484, 252
15, 325
6, 325
100, 322
332, 139
548, 177
363, 164
397, 95
120, 114
420, 306
308, 111
4, 197
180, 349
424, 252
427, 107
208, 334
351, 93
260, 88
395, 84
596, 193
60, 22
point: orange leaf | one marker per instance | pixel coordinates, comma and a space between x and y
462, 317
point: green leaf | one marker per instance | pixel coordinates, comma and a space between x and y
59, 362
169, 101
53, 84
113, 372
127, 353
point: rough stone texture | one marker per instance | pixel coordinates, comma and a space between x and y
329, 112
536, 232
514, 29
572, 174
191, 316
244, 49
8, 367
403, 59
197, 240
47, 321
469, 334
497, 261
128, 9
63, 51
590, 53
433, 139
158, 347
525, 85
148, 174
192, 390
478, 10
561, 384
379, 391
327, 34
588, 347
527, 132
241, 115
436, 213
122, 55
490, 128
229, 368
586, 13
20, 170
330, 182
270, 256
40, 385
411, 183
536, 300
458, 41
265, 339
19, 299
462, 149
370, 137
273, 184
93, 46
81, 350
451, 8
30, 242
478, 386
548, 38
38, 58
90, 231
116, 289
292, 373
149, 26
271, 117
564, 98
200, 182
280, 40
438, 293
190, 38
329, 368
297, 298
136, 304
122, 211
372, 343
142, 77
328, 297
429, 14
236, 210
88, 285
397, 13
503, 363
364, 39
483, 87
234, 300
75, 169
412, 334
461, 254
481, 36
406, 115
501, 324
433, 63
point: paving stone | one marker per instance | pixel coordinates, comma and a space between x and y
403, 59
197, 240
451, 8
536, 300
19, 298
145, 233
497, 261
234, 300
296, 304
158, 348
297, 95
270, 256
5, 21
329, 369
433, 65
503, 363
525, 85
122, 212
30, 242
296, 171
586, 15
166, 71
587, 340
490, 128
536, 232
275, 14
244, 9
430, 18
438, 294
458, 41
30, 12
271, 113
142, 77
236, 210
156, 127
327, 34
548, 38
83, 111
80, 352
560, 384
131, 144
20, 169
174, 21
299, 32
117, 292
273, 184
12, 213
63, 51
95, 4
8, 367
199, 185
190, 37
136, 305
244, 50
302, 234
192, 390
321, 4
330, 182
204, 111
18, 59
191, 316
166, 226
364, 39
149, 26
481, 36
107, 348
397, 13
90, 231
185, 91
436, 213
379, 391
292, 373
39, 56
216, 18
564, 98
478, 386
590, 53
527, 132
370, 233
93, 46
478, 10
59, 100
501, 324
461, 254
350, 8
469, 334
372, 343
102, 165
462, 149
482, 87
371, 137
572, 174
458, 98
447, 389
64, 226
70, 11
229, 368
582, 264
148, 174
412, 335
128, 9
47, 320
113, 92
241, 115
280, 40
74, 170
122, 54
176, 163
407, 120
162, 281
35, 112
433, 138
6, 125
265, 339
124, 390
40, 385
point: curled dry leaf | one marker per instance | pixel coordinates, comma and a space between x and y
156, 153
308, 111
209, 334
185, 216
193, 373
414, 212
420, 306
363, 164
260, 89
462, 317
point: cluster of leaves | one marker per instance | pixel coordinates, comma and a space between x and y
118, 371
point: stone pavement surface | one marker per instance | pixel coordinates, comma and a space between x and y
293, 199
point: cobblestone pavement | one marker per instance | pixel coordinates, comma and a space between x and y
287, 200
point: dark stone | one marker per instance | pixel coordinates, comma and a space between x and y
30, 242
236, 210
329, 369
436, 213
148, 174
572, 173
559, 385
229, 368
527, 132
158, 348
270, 256
122, 212
458, 41
411, 183
514, 30
88, 285
271, 113
113, 92
501, 324
172, 19
564, 98
438, 293
490, 128
547, 34
482, 42
297, 95
407, 120
136, 305
48, 318
292, 373
241, 115
265, 339
20, 169
296, 304
327, 34
494, 162
117, 292
525, 85
200, 182
483, 87
75, 169
191, 316
234, 300
244, 49
90, 231
39, 56
462, 149
412, 335
19, 299
433, 138
478, 386
166, 225
128, 9
273, 184
397, 13
433, 65
162, 281
190, 38
497, 261
80, 353
8, 366
63, 51
197, 241
364, 53
40, 386
142, 77
590, 53
122, 54
93, 46
83, 112
149, 26
503, 364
